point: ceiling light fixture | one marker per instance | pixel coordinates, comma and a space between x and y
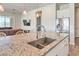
24, 12
38, 13
1, 8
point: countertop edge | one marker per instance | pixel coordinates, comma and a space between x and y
55, 45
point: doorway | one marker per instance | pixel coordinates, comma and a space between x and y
38, 20
77, 26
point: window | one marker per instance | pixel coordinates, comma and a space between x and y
5, 21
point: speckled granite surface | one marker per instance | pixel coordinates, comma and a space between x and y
17, 45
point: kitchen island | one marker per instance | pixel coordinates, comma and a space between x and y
17, 45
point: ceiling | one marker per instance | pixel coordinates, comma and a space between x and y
20, 7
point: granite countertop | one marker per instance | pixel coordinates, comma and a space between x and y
17, 45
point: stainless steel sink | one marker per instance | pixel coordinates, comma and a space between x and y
40, 43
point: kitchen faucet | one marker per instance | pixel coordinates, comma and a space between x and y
44, 29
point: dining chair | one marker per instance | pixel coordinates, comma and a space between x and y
20, 32
2, 34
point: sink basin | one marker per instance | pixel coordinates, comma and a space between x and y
40, 43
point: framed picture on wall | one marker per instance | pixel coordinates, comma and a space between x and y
26, 22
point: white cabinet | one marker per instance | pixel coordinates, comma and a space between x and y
66, 46
62, 49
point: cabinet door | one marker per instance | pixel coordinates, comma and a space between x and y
57, 51
64, 48
53, 52
61, 49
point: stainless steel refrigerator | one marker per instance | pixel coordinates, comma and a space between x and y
63, 25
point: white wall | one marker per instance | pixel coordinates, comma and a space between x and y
69, 12
48, 18
63, 13
72, 24
15, 19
